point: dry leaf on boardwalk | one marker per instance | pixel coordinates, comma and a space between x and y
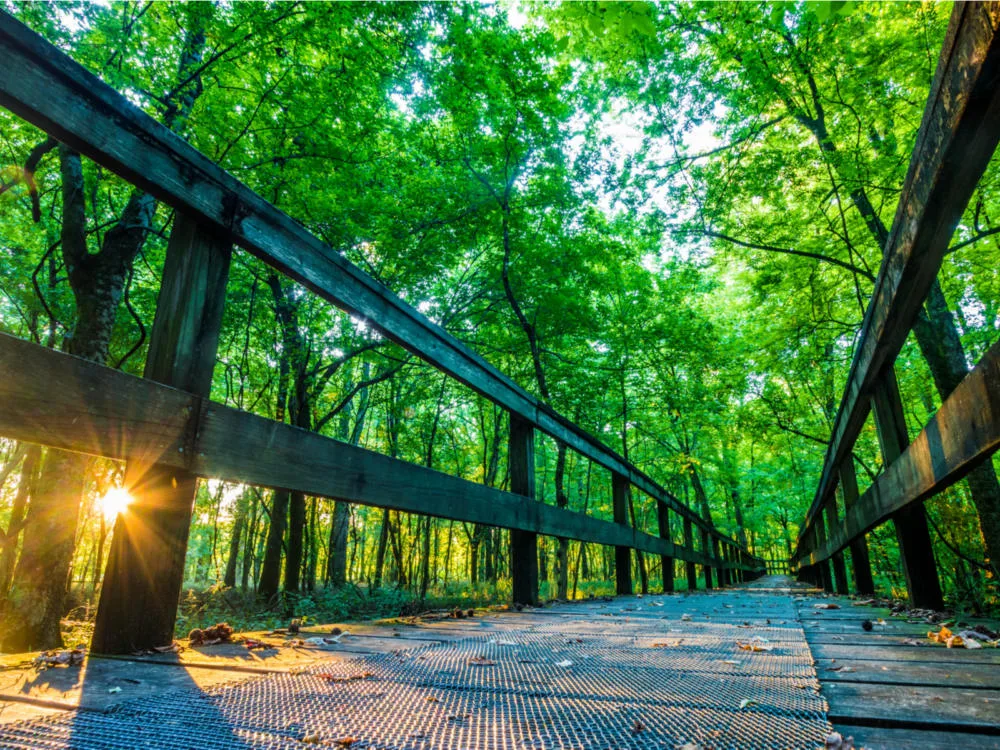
828, 605
965, 639
481, 661
755, 644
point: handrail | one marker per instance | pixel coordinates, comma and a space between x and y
93, 118
958, 135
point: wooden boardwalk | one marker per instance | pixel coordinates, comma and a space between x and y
891, 687
665, 671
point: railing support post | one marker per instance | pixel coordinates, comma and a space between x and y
666, 563
839, 568
722, 575
620, 490
523, 544
915, 550
145, 571
689, 567
706, 550
864, 584
819, 528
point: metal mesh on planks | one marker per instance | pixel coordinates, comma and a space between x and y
648, 678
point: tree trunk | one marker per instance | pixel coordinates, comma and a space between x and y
25, 488
383, 540
239, 521
270, 574
36, 599
336, 561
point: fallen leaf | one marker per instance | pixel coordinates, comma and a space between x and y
564, 663
685, 618
481, 661
731, 661
114, 690
828, 605
747, 702
755, 644
638, 727
70, 657
841, 668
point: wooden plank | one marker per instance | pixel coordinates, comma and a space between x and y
55, 399
963, 432
901, 705
888, 651
957, 675
881, 738
84, 112
957, 138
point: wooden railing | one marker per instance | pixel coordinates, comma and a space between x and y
956, 140
170, 434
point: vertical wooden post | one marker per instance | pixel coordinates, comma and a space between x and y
864, 584
706, 550
720, 556
692, 572
666, 563
915, 550
145, 571
620, 490
839, 568
819, 529
523, 544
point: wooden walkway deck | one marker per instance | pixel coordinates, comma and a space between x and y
631, 672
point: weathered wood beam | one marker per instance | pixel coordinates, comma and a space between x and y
957, 138
145, 570
916, 553
689, 567
48, 89
666, 562
523, 543
864, 583
963, 432
839, 566
620, 489
54, 399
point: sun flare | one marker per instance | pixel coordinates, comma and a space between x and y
115, 501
